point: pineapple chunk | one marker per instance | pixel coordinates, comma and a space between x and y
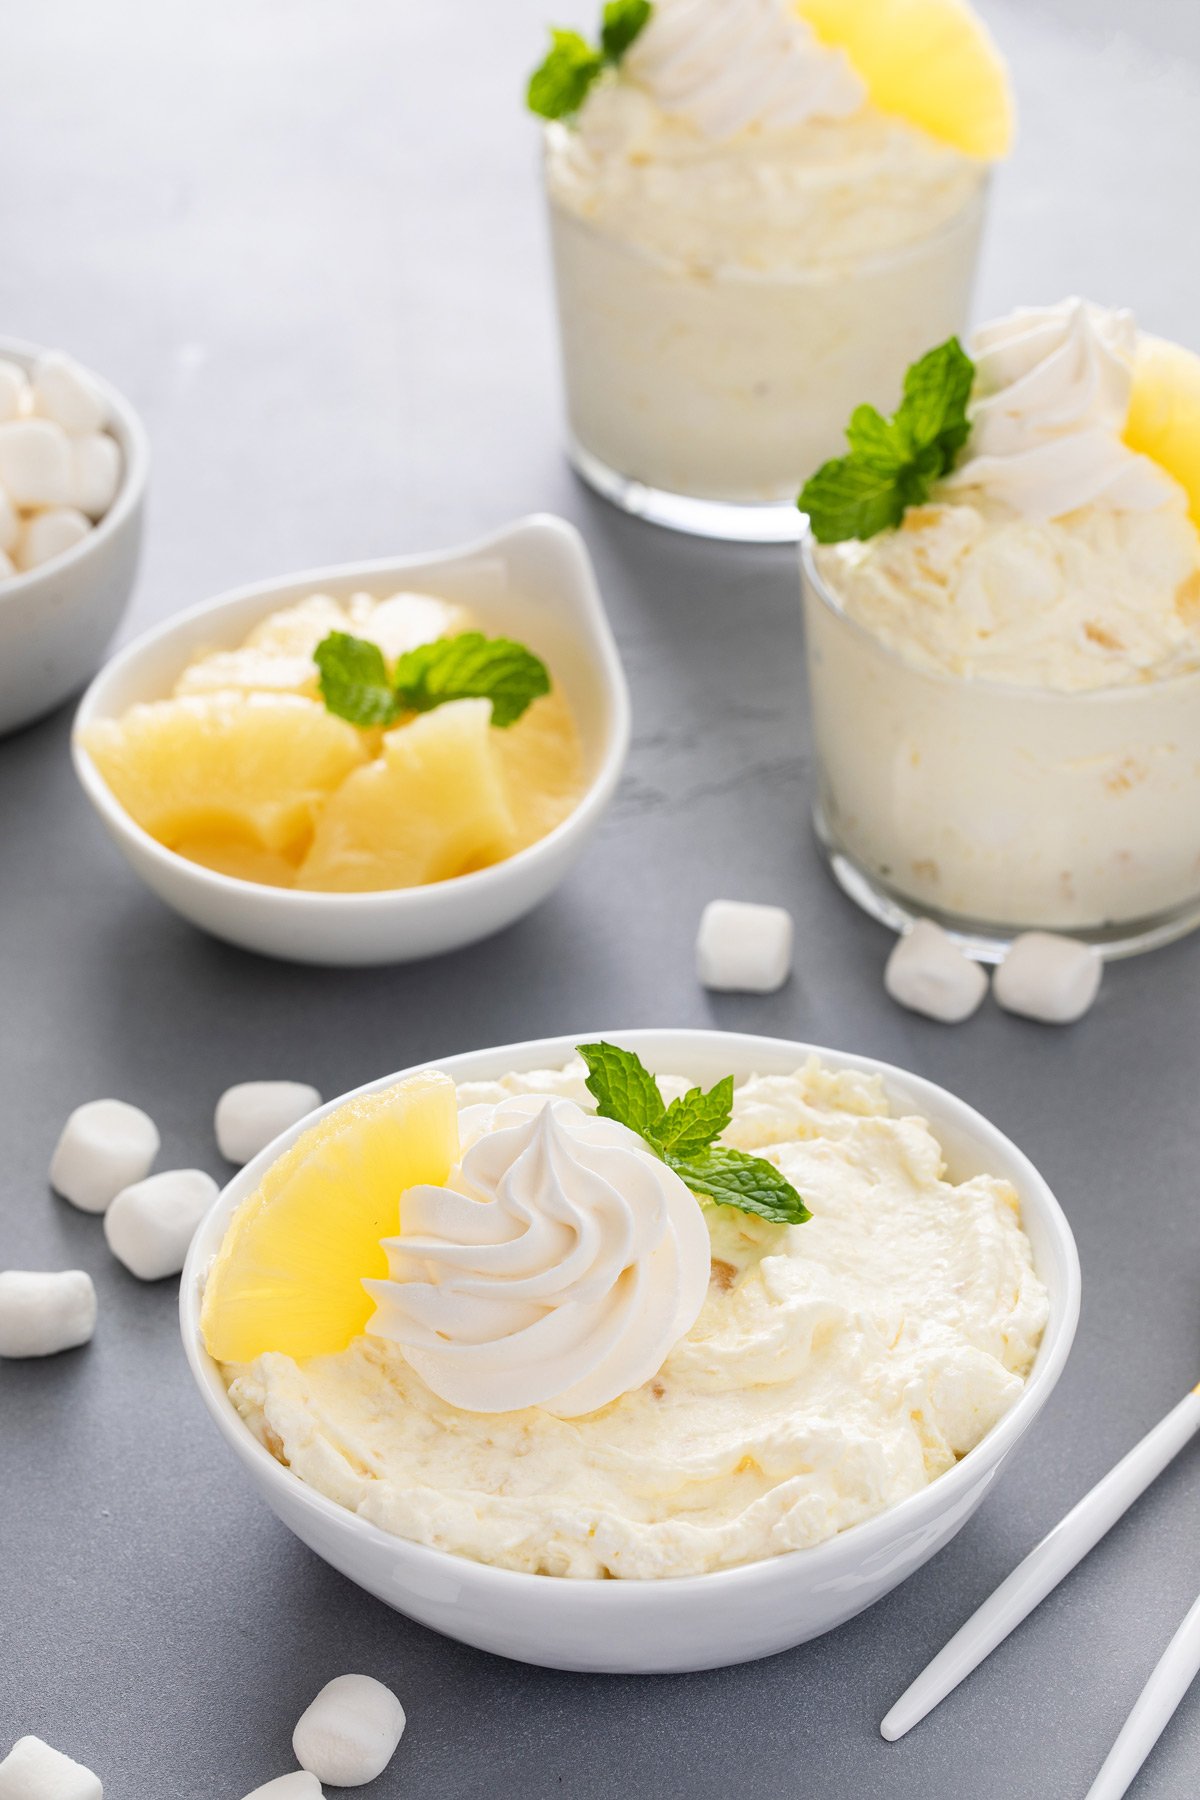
542, 766
1164, 412
403, 621
251, 767
242, 861
432, 806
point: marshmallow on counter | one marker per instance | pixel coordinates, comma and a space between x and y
14, 390
150, 1225
742, 947
42, 1313
35, 462
48, 534
106, 1145
251, 1114
928, 973
95, 473
1049, 978
299, 1785
64, 393
349, 1734
33, 1771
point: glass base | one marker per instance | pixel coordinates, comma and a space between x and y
774, 522
991, 943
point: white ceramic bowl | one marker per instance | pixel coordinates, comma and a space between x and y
693, 1622
533, 581
56, 621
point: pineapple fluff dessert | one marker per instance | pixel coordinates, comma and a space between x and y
1003, 604
350, 746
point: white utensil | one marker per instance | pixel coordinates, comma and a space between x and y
1173, 1675
1044, 1568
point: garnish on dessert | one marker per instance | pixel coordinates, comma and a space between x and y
683, 1134
356, 685
929, 61
1164, 412
894, 463
560, 84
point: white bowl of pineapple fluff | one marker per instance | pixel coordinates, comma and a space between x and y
73, 465
366, 764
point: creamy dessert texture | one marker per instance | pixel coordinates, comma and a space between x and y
745, 244
1006, 686
832, 1369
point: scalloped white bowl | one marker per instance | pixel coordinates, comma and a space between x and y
692, 1622
534, 581
56, 621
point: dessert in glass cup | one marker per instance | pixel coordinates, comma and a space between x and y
1002, 604
760, 214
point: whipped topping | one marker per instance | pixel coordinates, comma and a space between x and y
1053, 386
558, 1267
727, 65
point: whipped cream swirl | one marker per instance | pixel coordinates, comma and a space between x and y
558, 1267
725, 65
1053, 386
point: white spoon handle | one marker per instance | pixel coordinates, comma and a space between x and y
1044, 1568
1174, 1673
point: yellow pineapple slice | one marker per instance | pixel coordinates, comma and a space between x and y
431, 806
251, 767
289, 1274
244, 862
1164, 412
296, 630
249, 671
542, 766
932, 62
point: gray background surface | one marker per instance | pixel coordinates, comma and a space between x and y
305, 238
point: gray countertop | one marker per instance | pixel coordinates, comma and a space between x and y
305, 239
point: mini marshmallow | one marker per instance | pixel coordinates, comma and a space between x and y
743, 947
33, 1771
35, 462
10, 524
251, 1114
95, 473
299, 1785
42, 1313
14, 390
64, 393
105, 1146
928, 973
150, 1225
49, 534
349, 1734
1053, 979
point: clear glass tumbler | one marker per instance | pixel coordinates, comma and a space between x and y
703, 398
996, 809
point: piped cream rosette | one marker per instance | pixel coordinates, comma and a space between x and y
558, 1266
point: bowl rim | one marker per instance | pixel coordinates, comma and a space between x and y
594, 626
135, 466
818, 1560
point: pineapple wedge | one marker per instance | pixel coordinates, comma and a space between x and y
289, 1274
542, 766
1164, 412
251, 767
430, 807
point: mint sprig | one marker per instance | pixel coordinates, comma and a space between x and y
683, 1135
356, 685
894, 463
559, 86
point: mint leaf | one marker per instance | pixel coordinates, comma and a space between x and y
623, 1087
354, 680
624, 20
733, 1178
559, 86
692, 1123
682, 1135
471, 666
894, 463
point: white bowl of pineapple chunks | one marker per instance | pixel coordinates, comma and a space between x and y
367, 764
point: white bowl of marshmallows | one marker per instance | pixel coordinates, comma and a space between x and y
73, 461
